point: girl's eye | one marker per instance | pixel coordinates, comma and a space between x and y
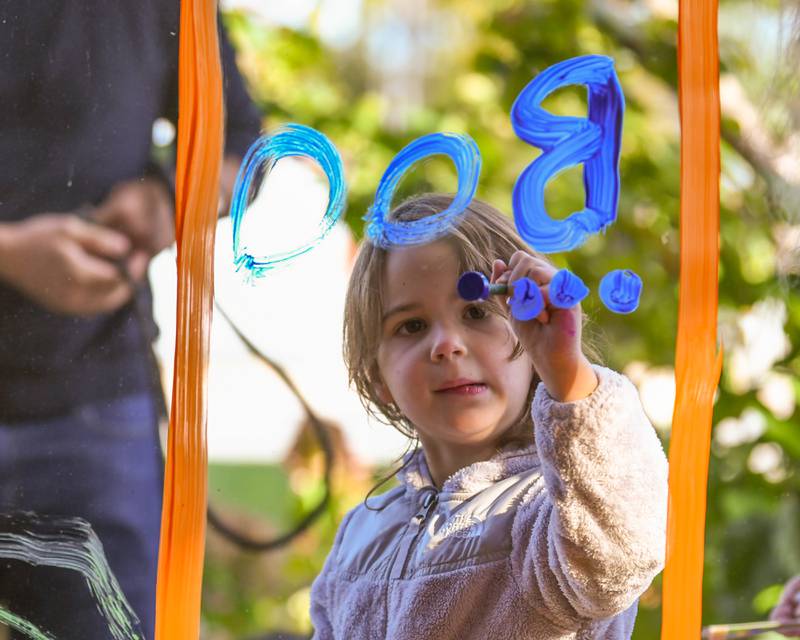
411, 326
475, 312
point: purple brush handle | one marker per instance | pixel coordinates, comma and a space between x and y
473, 285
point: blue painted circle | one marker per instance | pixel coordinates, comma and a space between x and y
289, 140
467, 159
620, 290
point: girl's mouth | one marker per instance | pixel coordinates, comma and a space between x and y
470, 389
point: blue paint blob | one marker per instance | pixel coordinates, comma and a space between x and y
289, 140
473, 285
620, 290
527, 301
567, 289
467, 159
566, 141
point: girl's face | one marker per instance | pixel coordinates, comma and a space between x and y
445, 361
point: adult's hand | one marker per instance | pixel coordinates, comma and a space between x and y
65, 264
142, 211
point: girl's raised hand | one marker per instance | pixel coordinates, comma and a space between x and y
553, 338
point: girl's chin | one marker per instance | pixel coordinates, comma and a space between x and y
470, 435
465, 429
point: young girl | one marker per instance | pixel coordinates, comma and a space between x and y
510, 521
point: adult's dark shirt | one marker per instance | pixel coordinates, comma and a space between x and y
81, 83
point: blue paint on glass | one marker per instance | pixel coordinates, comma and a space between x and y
467, 159
567, 141
566, 289
527, 301
289, 140
620, 291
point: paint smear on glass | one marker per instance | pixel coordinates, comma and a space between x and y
288, 141
620, 290
567, 289
72, 545
466, 157
23, 626
697, 360
593, 142
200, 144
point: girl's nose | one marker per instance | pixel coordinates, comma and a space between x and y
447, 344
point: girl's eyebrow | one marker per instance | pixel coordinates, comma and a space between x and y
399, 308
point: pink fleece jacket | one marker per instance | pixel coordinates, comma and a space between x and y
555, 541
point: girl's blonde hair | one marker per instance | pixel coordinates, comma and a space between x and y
481, 235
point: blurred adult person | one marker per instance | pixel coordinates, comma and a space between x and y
83, 209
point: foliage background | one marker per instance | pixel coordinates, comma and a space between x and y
419, 66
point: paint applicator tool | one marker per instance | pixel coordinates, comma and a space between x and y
526, 302
473, 285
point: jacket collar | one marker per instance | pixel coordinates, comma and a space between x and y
471, 479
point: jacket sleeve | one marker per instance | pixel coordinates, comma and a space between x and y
321, 597
587, 545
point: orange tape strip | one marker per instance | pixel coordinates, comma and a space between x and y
697, 362
200, 143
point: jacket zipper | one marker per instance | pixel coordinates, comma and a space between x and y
417, 522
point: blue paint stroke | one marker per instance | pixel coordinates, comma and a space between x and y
620, 291
467, 159
289, 140
566, 289
566, 141
527, 301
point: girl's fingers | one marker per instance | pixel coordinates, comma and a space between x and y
498, 269
539, 275
523, 265
522, 256
544, 316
